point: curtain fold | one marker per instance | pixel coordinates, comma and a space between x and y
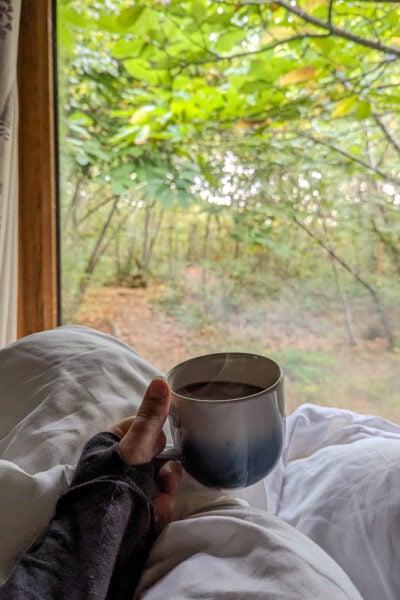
9, 30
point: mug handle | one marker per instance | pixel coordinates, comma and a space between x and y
170, 452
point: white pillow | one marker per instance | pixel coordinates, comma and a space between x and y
339, 483
57, 389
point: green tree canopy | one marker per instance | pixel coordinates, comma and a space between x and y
288, 110
182, 78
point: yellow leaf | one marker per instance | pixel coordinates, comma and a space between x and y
139, 116
297, 76
343, 107
276, 33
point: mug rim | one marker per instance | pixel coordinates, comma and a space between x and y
271, 388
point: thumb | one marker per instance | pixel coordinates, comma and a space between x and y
145, 437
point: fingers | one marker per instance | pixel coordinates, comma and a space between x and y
145, 437
169, 476
167, 480
122, 427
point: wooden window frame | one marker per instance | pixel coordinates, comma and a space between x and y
38, 288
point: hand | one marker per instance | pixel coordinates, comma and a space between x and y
142, 438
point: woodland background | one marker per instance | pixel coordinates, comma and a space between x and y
229, 179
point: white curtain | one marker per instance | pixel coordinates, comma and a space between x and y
9, 29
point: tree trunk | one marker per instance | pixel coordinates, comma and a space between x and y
93, 260
341, 295
206, 238
374, 294
149, 237
71, 211
345, 307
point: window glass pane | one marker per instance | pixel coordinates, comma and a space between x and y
230, 181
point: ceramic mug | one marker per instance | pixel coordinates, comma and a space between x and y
227, 418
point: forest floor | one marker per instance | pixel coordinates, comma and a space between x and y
324, 371
128, 314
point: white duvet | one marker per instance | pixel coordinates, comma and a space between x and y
338, 482
240, 553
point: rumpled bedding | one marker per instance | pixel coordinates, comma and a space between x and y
240, 553
333, 500
339, 483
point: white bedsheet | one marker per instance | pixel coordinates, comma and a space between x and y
240, 554
338, 480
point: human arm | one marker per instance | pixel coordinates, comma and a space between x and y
97, 543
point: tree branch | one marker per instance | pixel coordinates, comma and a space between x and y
353, 273
330, 9
352, 157
329, 27
218, 58
392, 141
95, 208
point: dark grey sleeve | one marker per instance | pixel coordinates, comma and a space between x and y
98, 540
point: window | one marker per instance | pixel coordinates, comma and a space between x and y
230, 183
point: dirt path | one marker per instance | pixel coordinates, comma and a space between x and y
127, 314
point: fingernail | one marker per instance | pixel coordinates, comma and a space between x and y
160, 387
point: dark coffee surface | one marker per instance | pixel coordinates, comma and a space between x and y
218, 390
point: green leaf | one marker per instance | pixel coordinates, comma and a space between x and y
65, 38
184, 198
118, 188
129, 16
126, 134
81, 118
197, 9
95, 150
391, 99
148, 19
228, 41
73, 17
324, 44
108, 23
78, 129
142, 71
127, 48
363, 109
166, 196
82, 158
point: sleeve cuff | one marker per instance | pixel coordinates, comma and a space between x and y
100, 459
